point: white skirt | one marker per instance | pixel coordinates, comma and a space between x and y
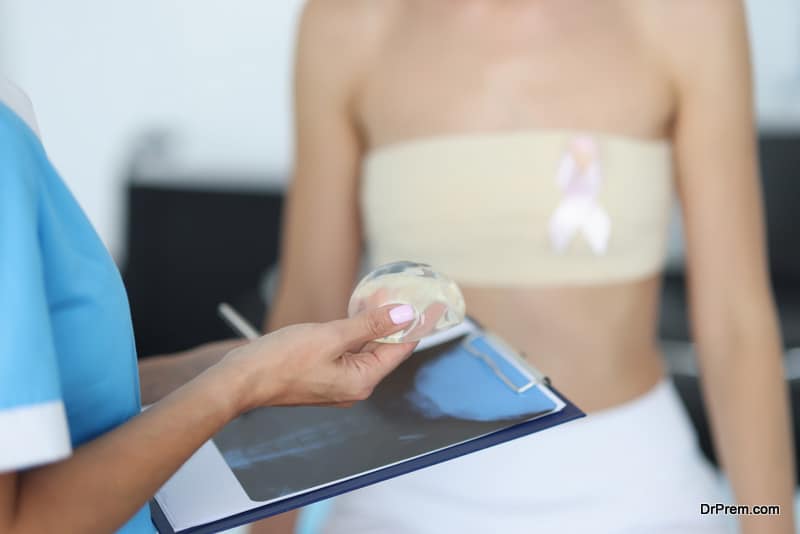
628, 469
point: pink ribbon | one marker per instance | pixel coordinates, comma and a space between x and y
580, 178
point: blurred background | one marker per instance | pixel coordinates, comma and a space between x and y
171, 122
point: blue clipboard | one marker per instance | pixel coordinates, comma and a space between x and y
490, 353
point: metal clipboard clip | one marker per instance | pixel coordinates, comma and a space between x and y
513, 358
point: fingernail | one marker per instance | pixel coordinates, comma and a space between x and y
402, 314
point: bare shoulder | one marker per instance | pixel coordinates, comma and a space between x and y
344, 31
338, 17
695, 35
688, 23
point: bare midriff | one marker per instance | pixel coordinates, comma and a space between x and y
596, 343
444, 68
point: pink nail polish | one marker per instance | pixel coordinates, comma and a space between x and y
402, 314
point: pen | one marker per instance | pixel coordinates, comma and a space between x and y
238, 323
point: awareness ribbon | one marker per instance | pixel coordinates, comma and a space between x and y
580, 179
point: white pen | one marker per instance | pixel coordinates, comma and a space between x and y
239, 324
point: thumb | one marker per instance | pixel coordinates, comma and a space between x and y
373, 324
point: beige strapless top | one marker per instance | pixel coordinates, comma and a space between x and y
521, 208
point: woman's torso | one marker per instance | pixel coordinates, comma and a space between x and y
448, 68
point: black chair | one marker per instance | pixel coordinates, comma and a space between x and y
189, 249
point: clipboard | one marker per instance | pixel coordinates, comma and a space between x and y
218, 489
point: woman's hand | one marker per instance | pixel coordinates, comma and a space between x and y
334, 363
326, 363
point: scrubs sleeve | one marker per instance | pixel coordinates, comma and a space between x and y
33, 422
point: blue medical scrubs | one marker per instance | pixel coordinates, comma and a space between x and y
68, 368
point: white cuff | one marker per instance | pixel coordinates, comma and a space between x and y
33, 435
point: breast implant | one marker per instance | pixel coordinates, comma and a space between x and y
437, 301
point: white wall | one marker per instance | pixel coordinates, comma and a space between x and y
775, 36
217, 72
100, 72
